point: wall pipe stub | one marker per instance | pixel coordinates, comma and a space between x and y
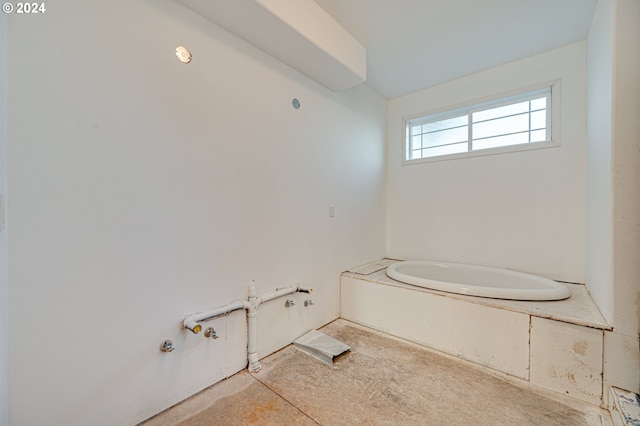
190, 322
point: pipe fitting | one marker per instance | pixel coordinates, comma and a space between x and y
190, 324
253, 296
211, 332
254, 364
167, 346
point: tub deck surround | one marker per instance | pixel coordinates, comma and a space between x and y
578, 309
557, 345
370, 268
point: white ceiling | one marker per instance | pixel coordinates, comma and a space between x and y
413, 44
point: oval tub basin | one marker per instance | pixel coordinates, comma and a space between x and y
476, 280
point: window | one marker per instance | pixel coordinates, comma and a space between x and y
513, 123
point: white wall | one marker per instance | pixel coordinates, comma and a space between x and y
626, 162
144, 189
4, 275
613, 184
523, 210
599, 247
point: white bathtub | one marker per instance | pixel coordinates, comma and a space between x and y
476, 280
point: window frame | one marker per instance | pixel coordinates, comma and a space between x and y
496, 101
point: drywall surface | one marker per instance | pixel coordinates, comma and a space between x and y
599, 207
626, 168
613, 182
498, 338
144, 189
521, 210
625, 348
613, 185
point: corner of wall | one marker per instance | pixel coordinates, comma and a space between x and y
613, 180
599, 186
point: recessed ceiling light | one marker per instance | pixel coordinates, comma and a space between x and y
183, 54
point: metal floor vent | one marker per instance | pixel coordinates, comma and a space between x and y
626, 407
319, 345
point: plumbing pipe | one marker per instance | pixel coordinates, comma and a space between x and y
284, 291
254, 302
190, 322
278, 292
252, 330
252, 346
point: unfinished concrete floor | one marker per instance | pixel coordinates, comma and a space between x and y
381, 381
